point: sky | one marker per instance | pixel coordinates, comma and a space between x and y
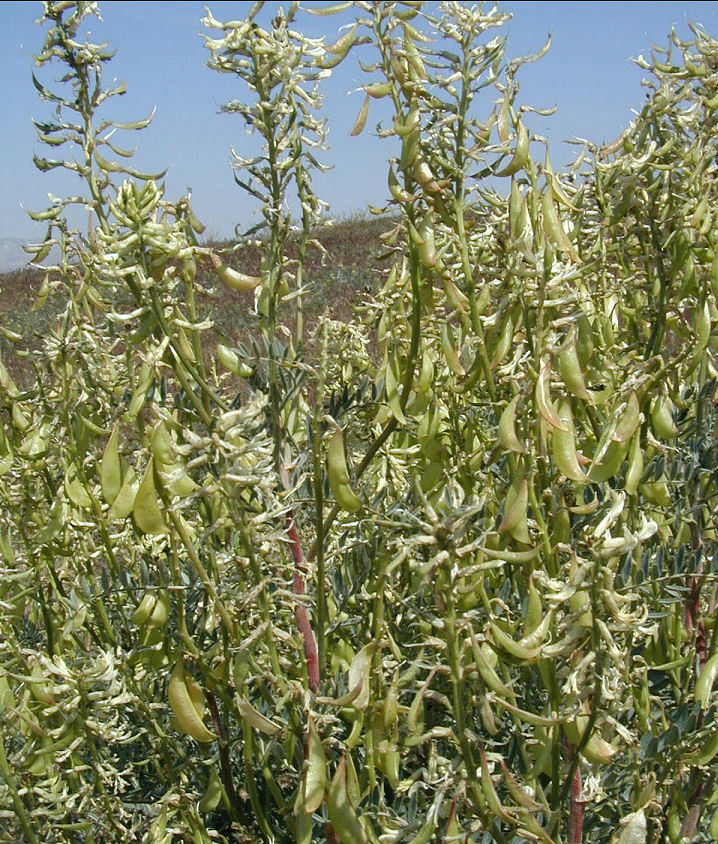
587, 74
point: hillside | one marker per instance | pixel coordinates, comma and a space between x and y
335, 280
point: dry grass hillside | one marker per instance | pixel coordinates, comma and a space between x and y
336, 281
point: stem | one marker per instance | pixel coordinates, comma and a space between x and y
302, 616
181, 529
251, 780
6, 774
264, 603
575, 824
319, 505
458, 704
224, 763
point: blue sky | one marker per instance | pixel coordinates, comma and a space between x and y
587, 75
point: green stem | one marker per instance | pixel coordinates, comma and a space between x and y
17, 802
189, 545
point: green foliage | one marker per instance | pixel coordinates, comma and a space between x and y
445, 571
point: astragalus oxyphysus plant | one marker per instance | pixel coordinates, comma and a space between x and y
441, 573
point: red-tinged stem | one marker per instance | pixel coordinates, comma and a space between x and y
575, 823
305, 628
330, 834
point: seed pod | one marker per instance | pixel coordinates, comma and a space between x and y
702, 327
610, 463
7, 698
359, 675
706, 753
315, 778
409, 147
339, 474
161, 445
426, 832
125, 500
428, 432
160, 610
236, 280
75, 489
554, 228
377, 90
534, 609
635, 829
172, 473
557, 189
597, 750
414, 235
500, 639
144, 609
110, 468
538, 635
662, 418
426, 375
397, 191
635, 466
564, 446
391, 387
386, 752
144, 382
518, 212
503, 344
347, 499
570, 369
507, 428
255, 718
212, 793
705, 681
674, 826
361, 118
457, 298
390, 706
487, 716
482, 658
343, 44
521, 154
629, 421
502, 120
516, 507
492, 798
232, 362
584, 340
543, 399
712, 277
427, 251
146, 510
450, 354
417, 71
186, 712
353, 787
341, 813
424, 176
519, 794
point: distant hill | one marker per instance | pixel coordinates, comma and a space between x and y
12, 255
